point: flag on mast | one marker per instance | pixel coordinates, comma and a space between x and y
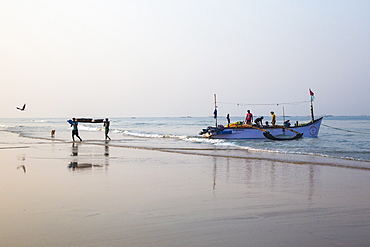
312, 95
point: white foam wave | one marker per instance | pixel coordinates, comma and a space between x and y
39, 121
6, 126
143, 135
203, 140
185, 138
89, 128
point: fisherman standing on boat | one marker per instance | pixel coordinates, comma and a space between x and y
273, 118
248, 117
228, 119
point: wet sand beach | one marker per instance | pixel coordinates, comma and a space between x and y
81, 194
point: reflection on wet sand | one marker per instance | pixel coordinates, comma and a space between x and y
75, 165
272, 172
311, 190
23, 167
106, 149
106, 154
74, 149
82, 166
214, 173
276, 174
22, 158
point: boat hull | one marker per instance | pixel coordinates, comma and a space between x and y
308, 130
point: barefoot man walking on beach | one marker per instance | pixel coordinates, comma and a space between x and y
106, 128
75, 130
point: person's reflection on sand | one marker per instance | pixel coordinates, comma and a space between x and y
74, 149
74, 166
214, 172
106, 154
23, 167
106, 149
311, 173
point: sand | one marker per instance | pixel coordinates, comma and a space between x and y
63, 194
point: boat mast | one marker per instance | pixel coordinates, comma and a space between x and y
215, 111
312, 97
312, 116
283, 120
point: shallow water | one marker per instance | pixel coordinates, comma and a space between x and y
342, 138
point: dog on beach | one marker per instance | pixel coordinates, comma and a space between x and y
52, 133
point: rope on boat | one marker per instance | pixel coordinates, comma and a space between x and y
277, 104
359, 132
253, 127
296, 132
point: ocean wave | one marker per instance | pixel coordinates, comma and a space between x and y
184, 138
203, 140
39, 121
89, 128
143, 135
4, 126
170, 136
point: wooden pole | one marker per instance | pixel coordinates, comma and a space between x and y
214, 95
312, 116
283, 120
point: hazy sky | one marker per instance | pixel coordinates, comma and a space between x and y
167, 58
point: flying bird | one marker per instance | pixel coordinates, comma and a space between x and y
22, 109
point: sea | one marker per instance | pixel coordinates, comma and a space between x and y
342, 141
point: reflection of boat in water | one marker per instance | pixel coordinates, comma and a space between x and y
239, 130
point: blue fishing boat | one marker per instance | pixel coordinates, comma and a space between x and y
241, 130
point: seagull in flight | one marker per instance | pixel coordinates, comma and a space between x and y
22, 109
